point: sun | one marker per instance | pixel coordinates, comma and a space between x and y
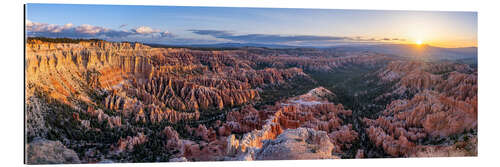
418, 42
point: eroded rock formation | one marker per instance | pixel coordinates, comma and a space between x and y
442, 102
118, 101
127, 144
312, 60
310, 110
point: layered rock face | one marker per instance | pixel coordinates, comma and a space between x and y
145, 82
61, 69
444, 104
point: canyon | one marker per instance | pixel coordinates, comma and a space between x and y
95, 101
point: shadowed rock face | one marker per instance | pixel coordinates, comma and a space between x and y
128, 102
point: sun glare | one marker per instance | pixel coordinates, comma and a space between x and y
418, 42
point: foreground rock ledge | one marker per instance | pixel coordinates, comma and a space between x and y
301, 143
44, 151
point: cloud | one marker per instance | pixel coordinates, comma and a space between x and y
166, 34
123, 25
145, 30
390, 39
43, 27
272, 38
265, 37
149, 34
89, 31
215, 33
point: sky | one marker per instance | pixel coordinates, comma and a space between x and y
175, 25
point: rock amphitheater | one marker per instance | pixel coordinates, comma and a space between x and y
101, 101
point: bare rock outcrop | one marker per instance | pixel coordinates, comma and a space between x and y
300, 143
43, 151
458, 149
181, 159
